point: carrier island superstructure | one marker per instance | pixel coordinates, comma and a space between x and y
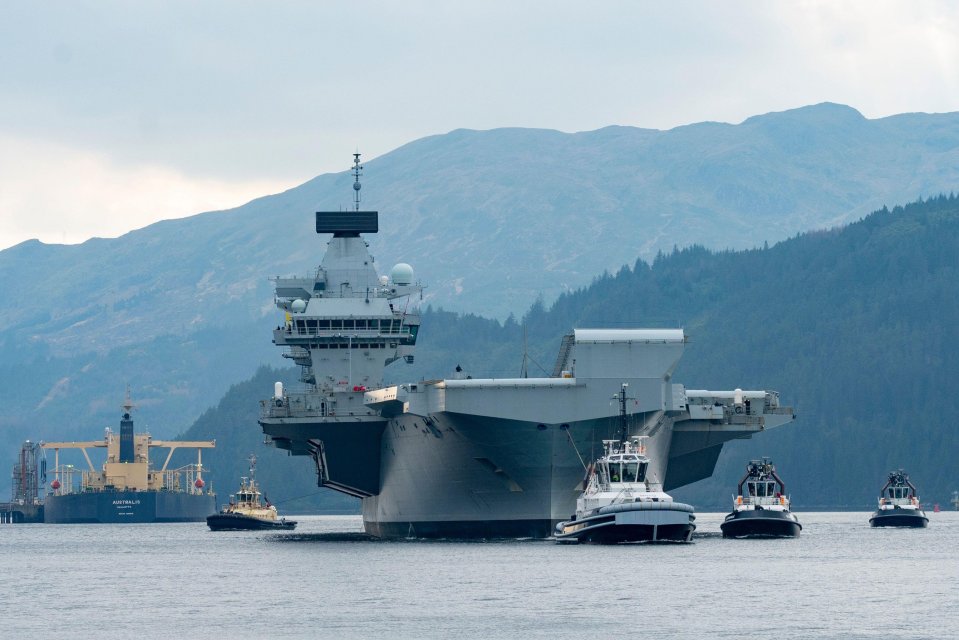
470, 457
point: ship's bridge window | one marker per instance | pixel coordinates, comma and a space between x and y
634, 471
762, 489
615, 472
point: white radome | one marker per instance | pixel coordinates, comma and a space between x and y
402, 274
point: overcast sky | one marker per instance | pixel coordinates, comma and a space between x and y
116, 114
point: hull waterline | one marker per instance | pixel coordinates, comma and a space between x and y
239, 522
898, 518
761, 524
127, 507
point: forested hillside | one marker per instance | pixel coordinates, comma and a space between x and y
857, 327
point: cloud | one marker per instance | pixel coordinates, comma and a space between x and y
64, 195
198, 101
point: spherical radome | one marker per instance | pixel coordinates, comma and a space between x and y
402, 274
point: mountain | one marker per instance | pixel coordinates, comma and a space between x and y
492, 221
857, 327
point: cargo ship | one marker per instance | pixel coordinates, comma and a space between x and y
127, 488
471, 457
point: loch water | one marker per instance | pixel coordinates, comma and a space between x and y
839, 579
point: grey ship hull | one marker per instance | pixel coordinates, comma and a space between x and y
469, 477
110, 507
455, 474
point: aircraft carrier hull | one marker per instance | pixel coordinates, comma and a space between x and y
470, 477
110, 507
459, 474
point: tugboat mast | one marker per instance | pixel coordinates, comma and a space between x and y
623, 418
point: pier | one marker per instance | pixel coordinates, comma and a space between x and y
13, 513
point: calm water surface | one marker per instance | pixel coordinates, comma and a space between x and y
840, 579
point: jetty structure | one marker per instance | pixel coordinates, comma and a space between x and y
28, 478
474, 457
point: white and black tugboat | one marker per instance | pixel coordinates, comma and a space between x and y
762, 511
620, 502
898, 504
248, 509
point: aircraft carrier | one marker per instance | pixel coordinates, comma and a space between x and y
474, 458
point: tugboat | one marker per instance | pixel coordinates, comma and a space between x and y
898, 504
246, 511
763, 511
621, 504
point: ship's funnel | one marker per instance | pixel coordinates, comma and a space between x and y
126, 439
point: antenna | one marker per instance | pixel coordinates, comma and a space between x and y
128, 402
623, 418
524, 373
357, 168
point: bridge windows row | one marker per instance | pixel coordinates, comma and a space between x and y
380, 326
352, 345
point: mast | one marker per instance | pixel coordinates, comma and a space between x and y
524, 371
623, 419
357, 167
